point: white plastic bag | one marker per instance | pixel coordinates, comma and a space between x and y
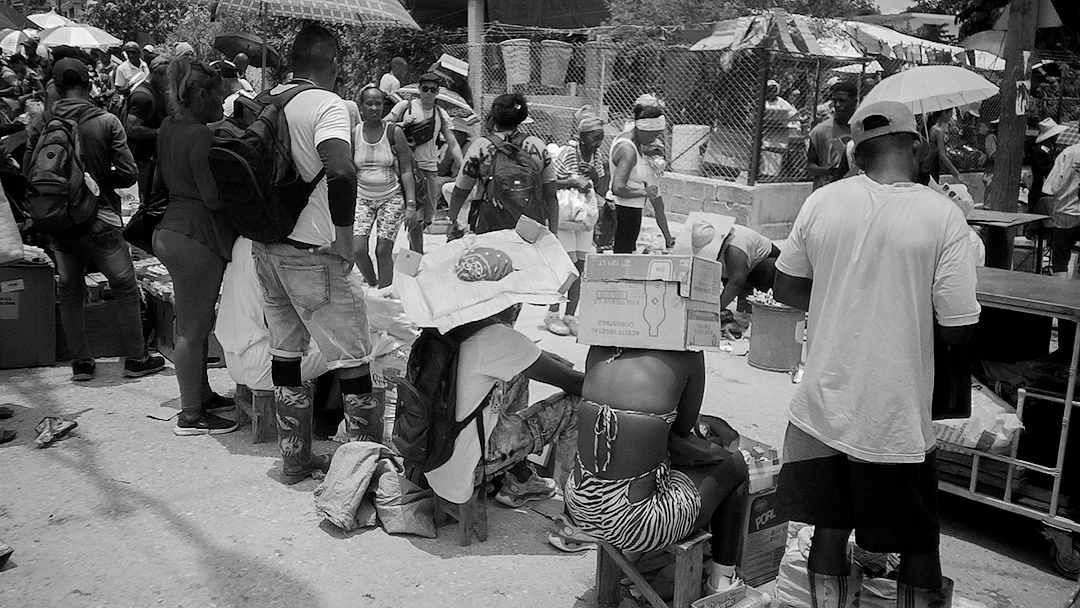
578, 211
991, 428
11, 246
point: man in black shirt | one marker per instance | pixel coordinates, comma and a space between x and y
146, 108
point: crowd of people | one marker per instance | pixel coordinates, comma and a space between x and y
881, 263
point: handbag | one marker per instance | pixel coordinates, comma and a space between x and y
419, 133
578, 210
140, 228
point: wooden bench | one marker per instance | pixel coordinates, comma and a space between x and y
472, 516
611, 564
258, 407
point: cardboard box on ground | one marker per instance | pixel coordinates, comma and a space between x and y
27, 317
765, 529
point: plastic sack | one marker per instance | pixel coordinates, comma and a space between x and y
11, 245
793, 582
386, 313
402, 506
991, 428
578, 210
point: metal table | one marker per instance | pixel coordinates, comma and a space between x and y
1050, 297
1001, 226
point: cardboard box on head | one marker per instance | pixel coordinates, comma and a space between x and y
702, 235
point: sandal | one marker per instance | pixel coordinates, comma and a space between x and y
569, 538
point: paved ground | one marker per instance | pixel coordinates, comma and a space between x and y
123, 514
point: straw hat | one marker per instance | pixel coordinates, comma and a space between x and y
1049, 128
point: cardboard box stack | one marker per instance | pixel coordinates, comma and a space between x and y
766, 529
27, 317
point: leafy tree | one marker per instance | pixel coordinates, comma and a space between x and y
126, 19
691, 12
939, 7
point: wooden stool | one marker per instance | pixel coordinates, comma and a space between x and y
471, 516
611, 563
258, 407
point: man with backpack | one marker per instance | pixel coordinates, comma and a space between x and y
423, 122
308, 283
145, 109
79, 159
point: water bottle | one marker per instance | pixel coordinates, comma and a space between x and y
762, 601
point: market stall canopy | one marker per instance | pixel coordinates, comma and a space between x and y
248, 44
79, 36
364, 13
14, 20
50, 19
860, 68
929, 88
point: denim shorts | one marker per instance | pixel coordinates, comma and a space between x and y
312, 295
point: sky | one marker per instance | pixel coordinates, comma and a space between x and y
892, 6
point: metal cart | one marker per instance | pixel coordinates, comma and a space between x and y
1051, 297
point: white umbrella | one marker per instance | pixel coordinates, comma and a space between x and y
363, 13
79, 36
11, 41
50, 19
930, 88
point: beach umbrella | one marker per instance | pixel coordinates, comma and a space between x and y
364, 13
11, 41
50, 19
79, 36
930, 88
12, 19
446, 98
248, 44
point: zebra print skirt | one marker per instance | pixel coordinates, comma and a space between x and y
602, 508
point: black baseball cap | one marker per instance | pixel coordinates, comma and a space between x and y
68, 65
430, 77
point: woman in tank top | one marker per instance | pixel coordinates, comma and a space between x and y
633, 179
383, 170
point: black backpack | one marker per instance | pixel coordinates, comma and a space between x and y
256, 177
512, 186
426, 425
60, 200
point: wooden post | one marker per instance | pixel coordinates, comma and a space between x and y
1005, 188
476, 54
759, 118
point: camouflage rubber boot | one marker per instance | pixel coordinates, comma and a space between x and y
914, 597
293, 408
364, 416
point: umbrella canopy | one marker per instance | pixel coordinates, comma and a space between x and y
50, 19
382, 13
248, 44
930, 88
454, 104
79, 36
1071, 135
11, 41
14, 20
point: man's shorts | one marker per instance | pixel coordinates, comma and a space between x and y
1061, 244
893, 508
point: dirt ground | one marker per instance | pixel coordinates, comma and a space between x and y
124, 514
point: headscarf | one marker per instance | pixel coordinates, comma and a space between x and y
588, 120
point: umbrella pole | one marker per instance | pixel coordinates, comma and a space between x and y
262, 68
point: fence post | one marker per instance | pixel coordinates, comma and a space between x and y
817, 92
759, 119
476, 54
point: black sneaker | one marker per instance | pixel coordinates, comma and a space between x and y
207, 424
136, 368
218, 403
82, 371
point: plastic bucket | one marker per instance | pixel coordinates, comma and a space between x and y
686, 144
555, 58
516, 60
775, 338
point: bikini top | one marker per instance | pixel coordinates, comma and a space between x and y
607, 429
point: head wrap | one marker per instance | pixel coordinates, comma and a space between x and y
649, 100
588, 119
651, 124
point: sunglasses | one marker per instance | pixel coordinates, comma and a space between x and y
429, 89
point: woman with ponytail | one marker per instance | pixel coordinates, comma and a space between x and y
195, 237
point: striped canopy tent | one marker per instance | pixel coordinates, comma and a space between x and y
366, 13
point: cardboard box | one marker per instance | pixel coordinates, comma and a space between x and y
766, 529
727, 599
663, 302
27, 315
165, 322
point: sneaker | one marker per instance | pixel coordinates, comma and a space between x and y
206, 424
567, 537
570, 321
515, 494
725, 584
555, 325
82, 371
218, 403
137, 368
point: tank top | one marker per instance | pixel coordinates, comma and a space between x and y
376, 177
638, 174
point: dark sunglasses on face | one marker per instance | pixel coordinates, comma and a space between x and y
429, 89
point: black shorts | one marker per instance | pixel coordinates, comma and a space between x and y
893, 508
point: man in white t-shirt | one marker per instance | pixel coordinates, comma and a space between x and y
391, 81
132, 70
501, 358
308, 285
877, 260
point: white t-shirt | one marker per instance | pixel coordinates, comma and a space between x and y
128, 76
494, 353
314, 116
406, 113
885, 260
228, 107
389, 83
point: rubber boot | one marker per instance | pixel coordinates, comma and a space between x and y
828, 591
293, 408
914, 597
364, 416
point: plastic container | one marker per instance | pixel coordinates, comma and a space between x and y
775, 338
555, 58
686, 144
516, 60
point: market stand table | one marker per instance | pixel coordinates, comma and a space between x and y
1001, 228
1051, 297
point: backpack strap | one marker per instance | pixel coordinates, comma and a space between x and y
282, 99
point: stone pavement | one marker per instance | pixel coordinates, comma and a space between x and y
124, 514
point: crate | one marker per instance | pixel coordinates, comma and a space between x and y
27, 320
